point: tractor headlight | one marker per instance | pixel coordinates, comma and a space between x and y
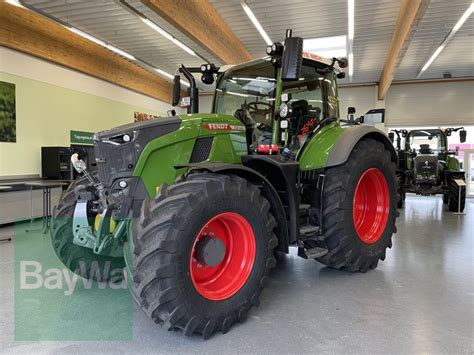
120, 138
283, 110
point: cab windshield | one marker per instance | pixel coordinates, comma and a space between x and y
249, 88
248, 93
427, 141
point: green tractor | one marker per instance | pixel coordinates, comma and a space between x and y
427, 167
194, 206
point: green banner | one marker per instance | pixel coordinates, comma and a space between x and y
53, 304
82, 138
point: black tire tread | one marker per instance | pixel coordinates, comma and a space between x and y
156, 239
337, 239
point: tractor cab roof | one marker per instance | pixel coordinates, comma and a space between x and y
426, 132
308, 58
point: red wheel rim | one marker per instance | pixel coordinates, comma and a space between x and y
371, 205
228, 277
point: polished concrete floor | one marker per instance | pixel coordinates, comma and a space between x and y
419, 300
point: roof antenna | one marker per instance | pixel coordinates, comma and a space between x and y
289, 33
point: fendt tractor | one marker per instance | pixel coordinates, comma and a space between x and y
427, 167
195, 205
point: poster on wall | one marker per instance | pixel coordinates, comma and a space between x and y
7, 112
139, 116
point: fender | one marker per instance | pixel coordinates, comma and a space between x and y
262, 183
346, 142
456, 174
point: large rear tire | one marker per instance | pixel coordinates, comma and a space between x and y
360, 208
453, 196
80, 260
202, 251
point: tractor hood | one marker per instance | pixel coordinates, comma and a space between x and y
117, 150
142, 128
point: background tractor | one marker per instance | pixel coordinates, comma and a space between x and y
427, 167
195, 206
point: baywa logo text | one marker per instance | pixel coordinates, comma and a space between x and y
33, 277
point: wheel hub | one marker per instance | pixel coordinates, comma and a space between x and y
209, 251
222, 256
371, 206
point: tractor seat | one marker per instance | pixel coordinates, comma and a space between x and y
425, 149
249, 124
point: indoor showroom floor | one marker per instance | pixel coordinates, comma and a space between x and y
419, 300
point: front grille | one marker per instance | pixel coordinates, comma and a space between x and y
426, 167
201, 150
116, 157
112, 159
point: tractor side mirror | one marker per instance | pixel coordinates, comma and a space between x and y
374, 116
176, 90
462, 136
292, 58
391, 136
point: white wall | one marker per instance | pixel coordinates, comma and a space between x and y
431, 103
362, 98
205, 103
52, 100
443, 103
27, 66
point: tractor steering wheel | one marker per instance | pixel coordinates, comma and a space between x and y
261, 116
253, 108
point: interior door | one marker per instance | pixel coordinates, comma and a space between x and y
469, 169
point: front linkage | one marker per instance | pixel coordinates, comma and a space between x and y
106, 236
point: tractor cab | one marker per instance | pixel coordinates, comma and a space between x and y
282, 99
427, 153
426, 166
249, 93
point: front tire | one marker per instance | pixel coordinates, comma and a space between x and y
360, 208
202, 251
401, 194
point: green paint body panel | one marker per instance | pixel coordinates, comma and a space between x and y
157, 162
316, 152
452, 163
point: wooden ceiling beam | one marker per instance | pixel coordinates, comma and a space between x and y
28, 32
198, 20
409, 17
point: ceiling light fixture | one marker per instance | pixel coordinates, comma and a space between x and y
15, 3
87, 36
255, 22
121, 52
167, 35
157, 28
164, 73
168, 75
101, 43
351, 65
350, 33
93, 39
327, 47
448, 38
